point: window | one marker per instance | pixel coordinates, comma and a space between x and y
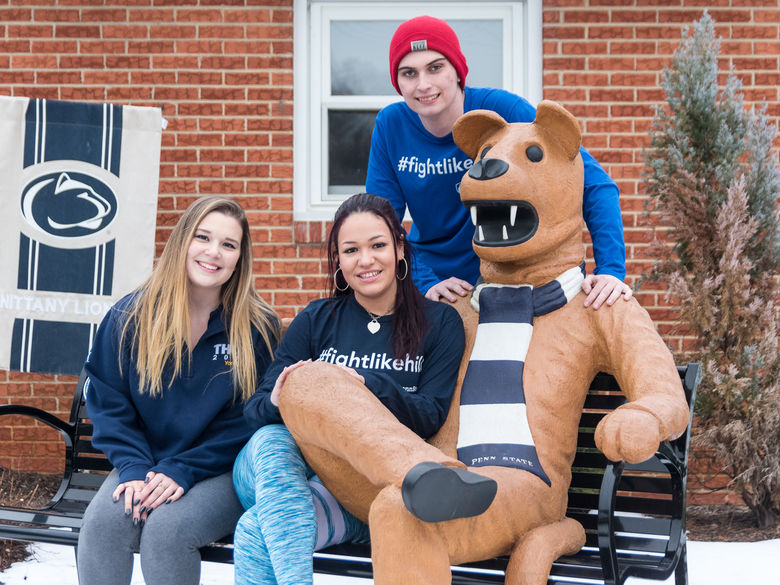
342, 79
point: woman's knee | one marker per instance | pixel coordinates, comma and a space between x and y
269, 437
247, 531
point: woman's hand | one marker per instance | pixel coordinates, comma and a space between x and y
131, 491
353, 373
604, 287
445, 288
282, 377
159, 489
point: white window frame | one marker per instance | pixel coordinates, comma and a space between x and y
311, 72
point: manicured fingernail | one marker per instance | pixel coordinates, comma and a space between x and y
137, 501
115, 498
146, 480
127, 511
143, 509
142, 523
168, 501
135, 521
149, 512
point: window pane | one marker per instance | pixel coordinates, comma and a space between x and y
359, 57
359, 54
481, 42
349, 140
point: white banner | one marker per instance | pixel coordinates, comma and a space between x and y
79, 199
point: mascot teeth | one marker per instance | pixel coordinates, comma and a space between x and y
503, 223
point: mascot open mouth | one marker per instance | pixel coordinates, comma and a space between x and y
502, 223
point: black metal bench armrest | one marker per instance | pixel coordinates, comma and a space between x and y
614, 573
66, 430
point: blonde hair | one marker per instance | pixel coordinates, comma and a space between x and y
159, 319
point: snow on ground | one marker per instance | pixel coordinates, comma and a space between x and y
709, 563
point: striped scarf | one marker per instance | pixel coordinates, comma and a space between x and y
493, 420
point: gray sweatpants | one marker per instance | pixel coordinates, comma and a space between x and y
169, 541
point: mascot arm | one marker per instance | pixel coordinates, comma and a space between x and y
656, 410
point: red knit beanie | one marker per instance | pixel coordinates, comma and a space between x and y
426, 33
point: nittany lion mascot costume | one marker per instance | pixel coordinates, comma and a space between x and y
494, 480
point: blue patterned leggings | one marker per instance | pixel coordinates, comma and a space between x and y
289, 513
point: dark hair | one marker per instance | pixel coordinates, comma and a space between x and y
409, 321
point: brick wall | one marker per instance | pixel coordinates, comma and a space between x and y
222, 71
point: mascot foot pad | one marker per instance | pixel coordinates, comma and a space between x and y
436, 493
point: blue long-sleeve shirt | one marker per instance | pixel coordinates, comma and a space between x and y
413, 168
416, 389
192, 431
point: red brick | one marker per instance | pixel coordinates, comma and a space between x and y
222, 32
171, 31
199, 77
58, 46
176, 93
268, 32
101, 46
128, 94
17, 77
251, 170
566, 94
34, 62
29, 31
198, 15
199, 47
12, 14
151, 15
633, 79
151, 47
58, 77
128, 31
282, 16
610, 32
80, 31
563, 32
612, 95
221, 63
200, 170
127, 62
249, 109
153, 77
247, 47
222, 124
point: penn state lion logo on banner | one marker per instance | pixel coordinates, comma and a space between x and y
79, 199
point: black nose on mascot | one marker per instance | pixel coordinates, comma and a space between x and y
488, 168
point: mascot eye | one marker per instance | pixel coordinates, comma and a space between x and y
484, 152
534, 153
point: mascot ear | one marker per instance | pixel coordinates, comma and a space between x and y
472, 129
559, 126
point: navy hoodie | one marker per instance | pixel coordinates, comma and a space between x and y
416, 389
192, 431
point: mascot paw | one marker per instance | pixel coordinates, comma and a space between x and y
628, 434
436, 493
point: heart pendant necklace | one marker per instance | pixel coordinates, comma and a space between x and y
373, 325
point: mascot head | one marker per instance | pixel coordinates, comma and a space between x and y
524, 192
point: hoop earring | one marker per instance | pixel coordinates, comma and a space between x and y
336, 280
406, 269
